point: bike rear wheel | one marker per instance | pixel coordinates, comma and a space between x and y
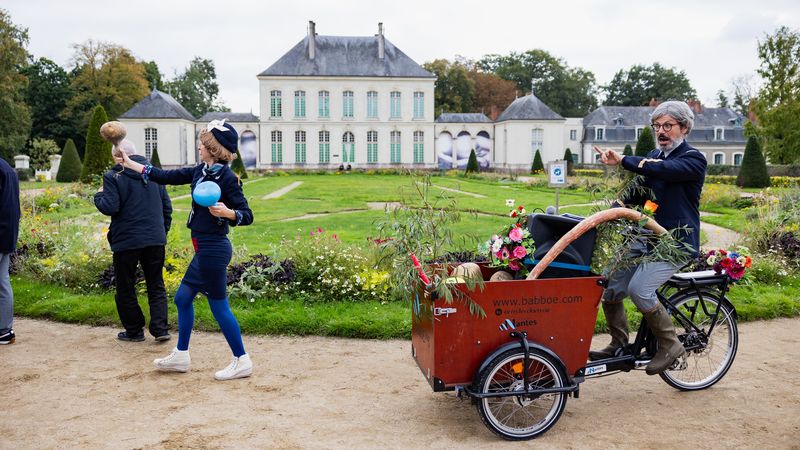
521, 417
708, 355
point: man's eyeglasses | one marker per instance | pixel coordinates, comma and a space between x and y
666, 126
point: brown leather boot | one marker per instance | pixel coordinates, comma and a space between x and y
669, 347
617, 322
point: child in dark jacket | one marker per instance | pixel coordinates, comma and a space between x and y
207, 271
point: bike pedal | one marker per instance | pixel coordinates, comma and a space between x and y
679, 364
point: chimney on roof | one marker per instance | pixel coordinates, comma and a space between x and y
695, 105
493, 113
653, 102
312, 40
381, 42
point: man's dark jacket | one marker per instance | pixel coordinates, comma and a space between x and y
9, 208
141, 212
676, 183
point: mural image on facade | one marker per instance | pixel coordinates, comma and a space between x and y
483, 149
444, 151
248, 147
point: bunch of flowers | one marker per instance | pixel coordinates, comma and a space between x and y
508, 248
732, 263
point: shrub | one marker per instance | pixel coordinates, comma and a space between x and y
40, 151
646, 142
537, 166
754, 167
628, 150
70, 168
472, 163
24, 174
155, 161
238, 166
719, 195
260, 278
97, 157
570, 162
589, 172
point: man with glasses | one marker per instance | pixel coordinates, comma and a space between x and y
673, 176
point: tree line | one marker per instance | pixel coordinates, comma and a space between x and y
44, 105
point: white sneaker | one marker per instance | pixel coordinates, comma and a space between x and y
177, 361
240, 367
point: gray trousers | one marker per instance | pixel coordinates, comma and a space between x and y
6, 295
639, 282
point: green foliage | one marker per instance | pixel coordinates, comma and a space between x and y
14, 112
537, 166
105, 74
47, 96
454, 90
778, 103
40, 151
98, 152
570, 162
646, 142
640, 84
24, 174
154, 159
238, 166
720, 195
472, 164
628, 150
753, 172
196, 88
569, 91
70, 168
153, 75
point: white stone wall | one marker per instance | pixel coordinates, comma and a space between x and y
175, 138
337, 125
514, 147
574, 145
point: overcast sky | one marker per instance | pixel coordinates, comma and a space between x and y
713, 41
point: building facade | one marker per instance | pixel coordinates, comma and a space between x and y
360, 102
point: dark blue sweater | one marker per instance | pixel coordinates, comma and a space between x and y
141, 213
9, 208
676, 183
200, 219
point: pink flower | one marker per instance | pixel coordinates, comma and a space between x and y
513, 265
736, 272
515, 234
504, 253
519, 252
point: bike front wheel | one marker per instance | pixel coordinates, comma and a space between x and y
709, 352
524, 416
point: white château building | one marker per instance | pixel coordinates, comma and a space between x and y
334, 101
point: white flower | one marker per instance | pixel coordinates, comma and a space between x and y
496, 245
510, 202
710, 261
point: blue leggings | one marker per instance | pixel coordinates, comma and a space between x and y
184, 301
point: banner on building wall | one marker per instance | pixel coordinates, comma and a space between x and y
483, 149
444, 151
248, 147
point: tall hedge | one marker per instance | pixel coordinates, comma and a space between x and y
753, 173
238, 165
97, 157
537, 165
154, 159
646, 142
70, 168
472, 163
628, 150
570, 163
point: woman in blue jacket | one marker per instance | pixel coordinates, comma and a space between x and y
207, 272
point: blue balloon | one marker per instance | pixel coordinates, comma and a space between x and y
206, 193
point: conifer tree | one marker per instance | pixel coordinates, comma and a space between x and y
154, 159
70, 168
238, 166
97, 157
628, 150
570, 163
646, 142
537, 166
472, 163
753, 172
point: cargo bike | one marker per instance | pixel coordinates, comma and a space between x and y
522, 360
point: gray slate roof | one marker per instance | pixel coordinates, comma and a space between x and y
158, 105
232, 117
342, 56
639, 116
463, 118
528, 107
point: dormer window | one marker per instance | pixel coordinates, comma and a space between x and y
719, 134
600, 134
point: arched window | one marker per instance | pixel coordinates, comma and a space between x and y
372, 147
719, 158
348, 148
737, 159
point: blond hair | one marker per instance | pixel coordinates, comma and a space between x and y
215, 149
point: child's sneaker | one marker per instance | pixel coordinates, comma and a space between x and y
240, 367
177, 361
7, 338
